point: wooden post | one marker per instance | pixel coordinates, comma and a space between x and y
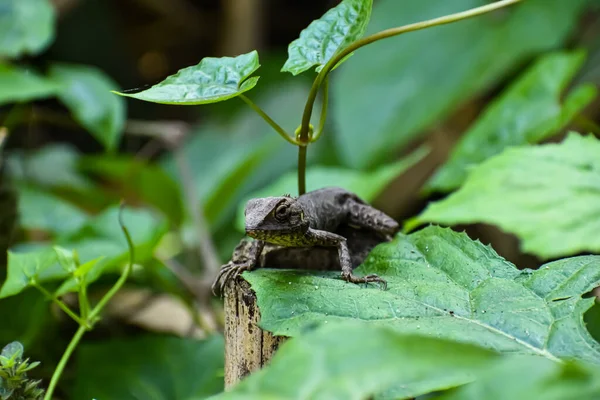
247, 347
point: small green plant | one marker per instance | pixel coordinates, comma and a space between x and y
325, 44
14, 383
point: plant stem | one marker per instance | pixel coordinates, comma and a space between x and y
123, 278
323, 118
89, 322
321, 77
63, 361
269, 120
301, 170
59, 303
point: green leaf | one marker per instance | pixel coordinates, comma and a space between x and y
20, 85
86, 92
546, 195
211, 81
397, 88
529, 111
150, 367
40, 210
135, 177
26, 27
328, 35
25, 269
85, 268
356, 360
443, 284
13, 351
66, 258
53, 165
531, 378
367, 185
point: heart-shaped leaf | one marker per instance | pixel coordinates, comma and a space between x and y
25, 269
549, 196
529, 111
443, 284
211, 81
328, 35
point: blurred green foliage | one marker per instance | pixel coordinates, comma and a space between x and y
527, 70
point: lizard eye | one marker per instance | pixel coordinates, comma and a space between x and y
282, 212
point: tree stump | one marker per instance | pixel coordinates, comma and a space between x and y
247, 347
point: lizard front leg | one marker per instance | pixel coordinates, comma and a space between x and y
245, 258
365, 216
324, 238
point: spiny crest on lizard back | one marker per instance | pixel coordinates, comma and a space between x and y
274, 214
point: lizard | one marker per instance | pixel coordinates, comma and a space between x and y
301, 232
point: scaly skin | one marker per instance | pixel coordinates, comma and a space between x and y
325, 218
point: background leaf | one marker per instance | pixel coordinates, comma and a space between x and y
20, 85
367, 185
140, 179
355, 360
40, 210
27, 268
328, 35
86, 92
26, 27
211, 81
401, 86
529, 111
443, 284
531, 378
150, 367
546, 195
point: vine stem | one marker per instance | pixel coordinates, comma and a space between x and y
303, 137
93, 315
269, 120
63, 361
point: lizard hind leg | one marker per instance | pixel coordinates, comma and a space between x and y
365, 216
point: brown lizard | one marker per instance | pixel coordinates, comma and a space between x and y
301, 232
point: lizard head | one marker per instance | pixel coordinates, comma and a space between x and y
271, 217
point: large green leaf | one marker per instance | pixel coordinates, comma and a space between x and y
40, 210
150, 367
531, 378
356, 360
144, 180
367, 185
328, 35
86, 92
394, 89
211, 81
443, 284
19, 85
549, 196
26, 27
529, 111
27, 269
